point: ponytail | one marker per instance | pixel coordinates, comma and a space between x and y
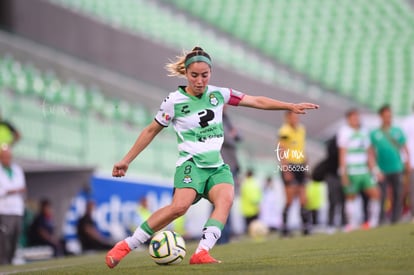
179, 66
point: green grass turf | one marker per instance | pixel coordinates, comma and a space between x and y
385, 250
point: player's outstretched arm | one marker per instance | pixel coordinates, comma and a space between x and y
145, 138
266, 103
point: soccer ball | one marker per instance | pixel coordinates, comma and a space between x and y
167, 247
258, 230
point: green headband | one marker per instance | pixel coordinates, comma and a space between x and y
197, 58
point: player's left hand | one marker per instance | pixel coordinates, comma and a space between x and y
300, 108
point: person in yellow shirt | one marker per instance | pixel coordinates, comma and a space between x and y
9, 135
251, 196
315, 192
290, 152
142, 213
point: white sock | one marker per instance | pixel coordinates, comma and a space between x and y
139, 237
210, 236
374, 210
350, 212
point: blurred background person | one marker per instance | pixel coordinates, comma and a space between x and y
389, 142
408, 127
143, 210
42, 229
251, 196
179, 226
28, 217
336, 195
291, 156
88, 233
269, 205
229, 154
142, 213
365, 206
229, 149
314, 193
356, 162
12, 193
8, 132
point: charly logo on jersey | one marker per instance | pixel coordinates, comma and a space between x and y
187, 179
185, 109
213, 100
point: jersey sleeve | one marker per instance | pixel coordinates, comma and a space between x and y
166, 112
342, 137
402, 138
232, 97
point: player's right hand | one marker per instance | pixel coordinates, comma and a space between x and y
300, 108
120, 169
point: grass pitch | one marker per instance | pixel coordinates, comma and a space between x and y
385, 250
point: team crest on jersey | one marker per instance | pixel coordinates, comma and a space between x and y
213, 100
187, 179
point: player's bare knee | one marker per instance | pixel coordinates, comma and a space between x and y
179, 209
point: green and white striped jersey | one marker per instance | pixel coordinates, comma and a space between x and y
356, 143
198, 123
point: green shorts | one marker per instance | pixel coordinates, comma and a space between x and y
188, 175
358, 183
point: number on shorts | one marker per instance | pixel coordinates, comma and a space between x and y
187, 169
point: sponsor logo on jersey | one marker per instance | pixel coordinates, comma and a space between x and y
166, 116
205, 116
213, 131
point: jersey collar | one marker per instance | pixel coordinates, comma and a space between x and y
181, 89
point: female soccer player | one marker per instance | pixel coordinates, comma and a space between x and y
196, 112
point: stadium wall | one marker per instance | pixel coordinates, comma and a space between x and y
59, 186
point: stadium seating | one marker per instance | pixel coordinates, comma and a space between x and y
69, 123
152, 20
361, 49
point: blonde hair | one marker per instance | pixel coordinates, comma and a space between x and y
178, 68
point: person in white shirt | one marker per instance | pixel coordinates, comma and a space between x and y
12, 190
408, 128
